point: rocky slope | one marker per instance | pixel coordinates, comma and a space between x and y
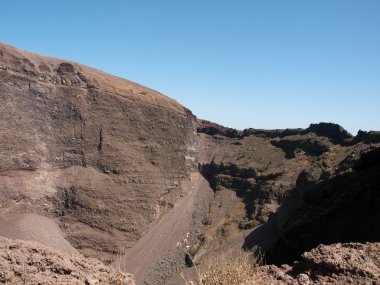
100, 153
287, 191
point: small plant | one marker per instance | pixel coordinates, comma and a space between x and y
298, 150
264, 168
235, 271
207, 220
184, 246
120, 277
259, 159
224, 232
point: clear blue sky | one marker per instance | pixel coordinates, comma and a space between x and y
240, 63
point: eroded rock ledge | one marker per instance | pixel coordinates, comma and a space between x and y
349, 263
30, 263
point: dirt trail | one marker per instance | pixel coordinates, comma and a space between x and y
155, 256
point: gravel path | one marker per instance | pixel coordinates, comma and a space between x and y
155, 257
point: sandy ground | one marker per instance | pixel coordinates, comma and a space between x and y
155, 256
32, 227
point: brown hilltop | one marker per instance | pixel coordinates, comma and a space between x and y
63, 72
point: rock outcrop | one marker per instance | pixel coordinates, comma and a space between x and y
310, 144
272, 133
213, 129
349, 263
31, 263
334, 132
367, 137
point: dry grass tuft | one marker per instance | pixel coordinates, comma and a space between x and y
120, 277
237, 271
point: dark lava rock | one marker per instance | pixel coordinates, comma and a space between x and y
213, 129
336, 133
272, 133
367, 137
311, 145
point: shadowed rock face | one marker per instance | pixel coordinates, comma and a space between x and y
98, 152
337, 134
367, 137
343, 208
334, 132
306, 187
311, 145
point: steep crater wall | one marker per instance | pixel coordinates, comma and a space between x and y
102, 154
